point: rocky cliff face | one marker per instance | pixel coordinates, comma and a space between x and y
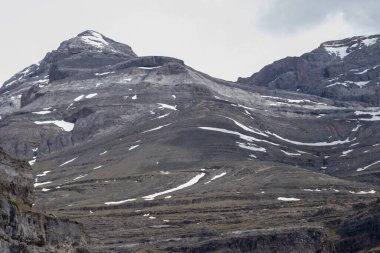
346, 69
22, 229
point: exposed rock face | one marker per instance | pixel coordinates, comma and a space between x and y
152, 155
22, 229
346, 69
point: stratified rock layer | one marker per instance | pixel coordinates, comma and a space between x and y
23, 229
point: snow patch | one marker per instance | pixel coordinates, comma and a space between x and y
316, 144
216, 177
133, 147
118, 202
340, 51
287, 199
66, 126
166, 106
40, 184
363, 192
157, 128
104, 73
43, 173
80, 176
69, 161
42, 112
95, 40
366, 167
290, 153
192, 181
78, 98
91, 95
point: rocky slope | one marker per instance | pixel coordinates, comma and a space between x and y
22, 229
152, 155
345, 69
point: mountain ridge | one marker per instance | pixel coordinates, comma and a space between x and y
150, 154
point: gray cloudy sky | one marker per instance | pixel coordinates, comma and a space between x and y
224, 38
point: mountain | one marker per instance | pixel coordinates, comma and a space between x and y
152, 155
345, 69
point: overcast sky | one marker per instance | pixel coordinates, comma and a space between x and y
224, 38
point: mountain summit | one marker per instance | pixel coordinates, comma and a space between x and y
152, 155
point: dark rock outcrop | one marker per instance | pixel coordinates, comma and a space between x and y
23, 229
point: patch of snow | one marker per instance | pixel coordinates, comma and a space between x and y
66, 126
163, 116
362, 83
33, 161
97, 167
251, 146
192, 181
45, 189
366, 167
43, 173
95, 40
369, 42
9, 84
241, 136
356, 128
287, 199
363, 192
174, 96
104, 152
166, 106
216, 177
134, 97
316, 144
340, 51
119, 202
69, 161
290, 153
157, 128
149, 67
42, 112
133, 147
375, 115
256, 131
164, 172
40, 184
80, 176
91, 95
78, 98
311, 190
104, 73
344, 153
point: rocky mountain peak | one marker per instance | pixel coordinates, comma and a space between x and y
346, 69
92, 41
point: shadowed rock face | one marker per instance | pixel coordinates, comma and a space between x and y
22, 229
344, 69
150, 154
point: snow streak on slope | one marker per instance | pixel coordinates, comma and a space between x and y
193, 181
